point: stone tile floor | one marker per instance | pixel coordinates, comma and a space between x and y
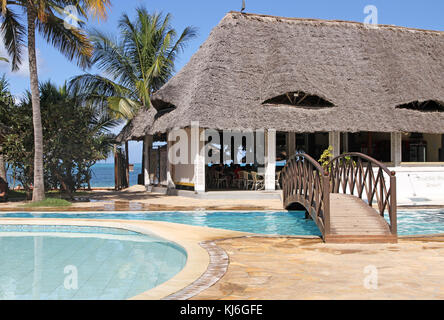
137, 199
289, 268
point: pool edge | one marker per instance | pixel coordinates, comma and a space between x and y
188, 237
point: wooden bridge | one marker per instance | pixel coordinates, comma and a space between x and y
347, 200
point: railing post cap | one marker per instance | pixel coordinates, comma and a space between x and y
393, 173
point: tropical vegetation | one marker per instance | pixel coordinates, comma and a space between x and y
48, 17
76, 135
73, 122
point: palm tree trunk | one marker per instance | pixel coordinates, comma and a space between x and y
39, 187
2, 165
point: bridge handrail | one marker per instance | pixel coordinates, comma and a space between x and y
306, 182
345, 173
366, 157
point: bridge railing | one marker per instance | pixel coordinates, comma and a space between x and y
358, 174
304, 181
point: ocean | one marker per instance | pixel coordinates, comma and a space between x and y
103, 175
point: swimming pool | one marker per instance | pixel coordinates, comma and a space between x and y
410, 222
68, 262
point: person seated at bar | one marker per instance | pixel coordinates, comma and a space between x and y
237, 170
3, 190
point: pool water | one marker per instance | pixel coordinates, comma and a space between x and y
424, 221
410, 222
83, 262
279, 223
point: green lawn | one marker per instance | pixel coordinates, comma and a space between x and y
21, 194
48, 202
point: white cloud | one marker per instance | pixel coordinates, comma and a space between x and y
23, 70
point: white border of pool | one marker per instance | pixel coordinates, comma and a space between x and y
188, 237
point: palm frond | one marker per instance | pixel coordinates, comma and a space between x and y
14, 34
111, 59
73, 43
124, 107
98, 8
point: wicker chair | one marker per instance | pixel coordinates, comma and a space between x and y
247, 180
258, 181
238, 182
277, 181
220, 180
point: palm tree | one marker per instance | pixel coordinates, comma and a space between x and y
135, 66
48, 18
6, 98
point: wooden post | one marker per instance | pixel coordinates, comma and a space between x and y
326, 192
345, 141
393, 208
396, 148
143, 163
291, 144
148, 141
127, 164
158, 167
116, 169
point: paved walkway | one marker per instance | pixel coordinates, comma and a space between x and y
285, 268
137, 199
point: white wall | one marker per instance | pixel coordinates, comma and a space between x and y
420, 185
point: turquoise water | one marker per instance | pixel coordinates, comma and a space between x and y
287, 223
82, 262
103, 175
410, 222
423, 221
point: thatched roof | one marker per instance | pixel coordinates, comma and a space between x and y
364, 72
139, 126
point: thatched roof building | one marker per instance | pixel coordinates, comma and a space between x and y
139, 126
360, 76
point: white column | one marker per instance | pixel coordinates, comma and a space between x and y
169, 168
147, 153
291, 144
270, 159
198, 158
334, 140
396, 148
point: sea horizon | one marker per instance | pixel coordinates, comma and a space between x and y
102, 175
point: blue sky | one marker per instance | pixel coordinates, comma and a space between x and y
205, 14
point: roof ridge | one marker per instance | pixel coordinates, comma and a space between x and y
278, 18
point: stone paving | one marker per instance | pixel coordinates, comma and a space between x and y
137, 199
289, 268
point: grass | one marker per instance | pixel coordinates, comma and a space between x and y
48, 202
21, 194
